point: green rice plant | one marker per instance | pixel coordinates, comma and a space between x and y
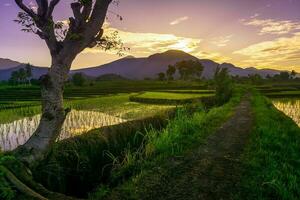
169, 98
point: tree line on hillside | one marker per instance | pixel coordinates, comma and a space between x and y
257, 79
192, 70
187, 70
21, 76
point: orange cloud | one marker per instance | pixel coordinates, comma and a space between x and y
284, 51
179, 20
271, 26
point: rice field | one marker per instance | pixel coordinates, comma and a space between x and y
19, 117
19, 120
290, 107
171, 95
77, 122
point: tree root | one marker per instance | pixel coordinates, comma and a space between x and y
20, 185
20, 177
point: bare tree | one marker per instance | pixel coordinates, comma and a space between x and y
65, 43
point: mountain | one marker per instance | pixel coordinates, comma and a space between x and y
211, 66
148, 67
7, 63
139, 68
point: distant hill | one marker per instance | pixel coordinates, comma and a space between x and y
149, 67
37, 72
7, 63
140, 68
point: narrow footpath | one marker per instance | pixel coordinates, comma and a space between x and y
212, 171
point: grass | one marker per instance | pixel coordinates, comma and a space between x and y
169, 95
183, 133
271, 160
76, 165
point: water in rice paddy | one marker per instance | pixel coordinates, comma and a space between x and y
77, 122
290, 107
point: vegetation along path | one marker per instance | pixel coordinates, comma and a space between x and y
210, 172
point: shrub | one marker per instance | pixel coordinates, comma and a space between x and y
223, 85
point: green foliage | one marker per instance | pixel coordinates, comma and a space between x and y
21, 76
189, 69
7, 192
223, 85
161, 76
272, 159
255, 79
76, 165
171, 72
78, 79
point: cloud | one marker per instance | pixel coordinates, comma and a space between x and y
179, 20
144, 44
215, 56
281, 51
271, 26
222, 41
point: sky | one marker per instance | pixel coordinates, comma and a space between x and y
247, 33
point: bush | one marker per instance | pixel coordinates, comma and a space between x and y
78, 79
223, 85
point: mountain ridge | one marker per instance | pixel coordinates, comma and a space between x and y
148, 67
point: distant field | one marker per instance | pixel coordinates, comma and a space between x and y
111, 97
32, 93
117, 105
170, 95
190, 91
280, 90
165, 98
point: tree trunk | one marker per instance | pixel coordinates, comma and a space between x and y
53, 113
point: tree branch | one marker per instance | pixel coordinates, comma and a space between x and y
52, 5
76, 7
42, 7
98, 16
26, 9
87, 9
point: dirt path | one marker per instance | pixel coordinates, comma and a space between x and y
210, 172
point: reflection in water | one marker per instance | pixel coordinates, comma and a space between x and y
290, 107
77, 122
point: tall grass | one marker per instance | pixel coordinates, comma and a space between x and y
272, 159
186, 131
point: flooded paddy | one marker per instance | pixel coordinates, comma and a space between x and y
77, 122
290, 107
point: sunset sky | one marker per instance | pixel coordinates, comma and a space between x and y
247, 33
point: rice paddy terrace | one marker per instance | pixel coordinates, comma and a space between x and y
146, 150
92, 107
